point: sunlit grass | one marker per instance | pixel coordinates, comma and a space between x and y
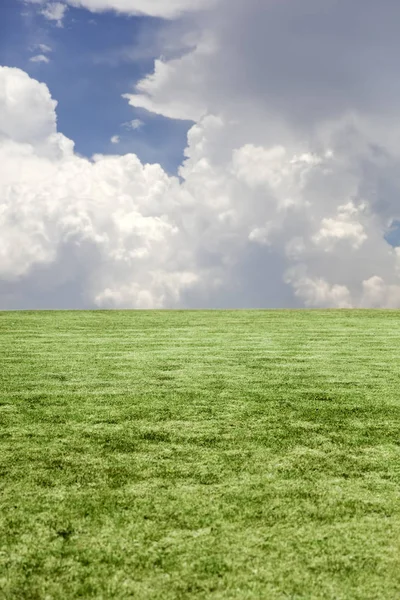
215, 454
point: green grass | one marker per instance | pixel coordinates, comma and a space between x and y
222, 455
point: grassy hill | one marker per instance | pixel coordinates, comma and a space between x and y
205, 454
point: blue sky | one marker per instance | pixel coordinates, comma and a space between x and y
95, 58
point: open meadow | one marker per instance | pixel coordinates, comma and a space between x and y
164, 455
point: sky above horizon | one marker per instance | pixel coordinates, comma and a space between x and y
199, 153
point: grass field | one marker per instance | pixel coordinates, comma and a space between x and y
221, 454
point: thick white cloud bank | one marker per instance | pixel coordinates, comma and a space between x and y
290, 183
167, 9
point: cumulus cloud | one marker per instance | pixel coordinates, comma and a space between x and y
111, 218
345, 227
283, 68
310, 93
289, 184
377, 294
115, 139
151, 94
27, 111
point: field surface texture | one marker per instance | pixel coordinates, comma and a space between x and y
212, 454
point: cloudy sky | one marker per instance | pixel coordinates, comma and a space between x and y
199, 153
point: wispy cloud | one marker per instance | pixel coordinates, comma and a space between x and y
44, 48
133, 125
115, 139
39, 58
54, 11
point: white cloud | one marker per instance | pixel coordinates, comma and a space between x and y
44, 48
115, 139
112, 217
134, 124
291, 66
127, 234
345, 227
167, 9
317, 292
54, 11
27, 111
291, 174
377, 294
39, 58
153, 93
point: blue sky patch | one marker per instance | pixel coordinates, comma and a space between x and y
94, 59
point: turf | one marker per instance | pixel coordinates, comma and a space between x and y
210, 454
